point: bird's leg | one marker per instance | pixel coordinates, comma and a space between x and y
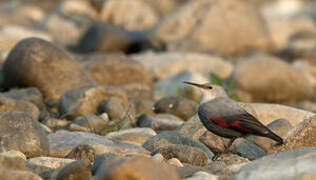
225, 151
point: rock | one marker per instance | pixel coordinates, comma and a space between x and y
113, 106
184, 153
62, 143
302, 135
275, 81
221, 26
17, 174
14, 154
44, 166
14, 163
137, 136
103, 37
175, 162
8, 104
174, 86
82, 101
280, 166
188, 170
158, 157
144, 107
11, 34
307, 106
160, 122
163, 7
75, 7
92, 122
192, 128
82, 151
64, 30
19, 131
31, 94
182, 107
308, 69
213, 142
280, 127
138, 167
247, 149
267, 113
103, 161
118, 70
169, 137
61, 73
140, 14
201, 175
79, 170
166, 64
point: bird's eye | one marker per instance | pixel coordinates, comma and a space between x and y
210, 87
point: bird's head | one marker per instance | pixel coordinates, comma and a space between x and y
209, 91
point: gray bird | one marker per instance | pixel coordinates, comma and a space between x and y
224, 117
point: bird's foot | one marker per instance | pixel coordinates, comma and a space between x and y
216, 155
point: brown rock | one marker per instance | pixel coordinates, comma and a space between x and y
14, 163
116, 70
177, 105
86, 100
185, 153
8, 104
302, 135
214, 142
19, 131
49, 68
222, 26
192, 128
17, 175
270, 79
78, 170
138, 167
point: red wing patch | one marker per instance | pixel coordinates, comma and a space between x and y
219, 121
237, 125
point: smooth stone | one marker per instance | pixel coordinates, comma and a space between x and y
179, 106
9, 174
280, 166
62, 143
79, 170
185, 154
171, 137
19, 131
137, 136
102, 161
160, 122
92, 122
59, 72
13, 153
138, 167
175, 162
201, 175
247, 149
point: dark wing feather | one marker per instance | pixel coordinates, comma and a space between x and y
246, 123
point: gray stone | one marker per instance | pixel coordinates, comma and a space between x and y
160, 122
137, 136
166, 64
170, 137
280, 166
57, 70
185, 153
19, 131
113, 106
201, 175
62, 143
178, 106
213, 142
192, 128
247, 149
102, 161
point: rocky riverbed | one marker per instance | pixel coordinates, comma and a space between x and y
92, 89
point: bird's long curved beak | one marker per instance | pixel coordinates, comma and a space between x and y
194, 84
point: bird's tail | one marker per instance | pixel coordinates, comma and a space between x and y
275, 137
